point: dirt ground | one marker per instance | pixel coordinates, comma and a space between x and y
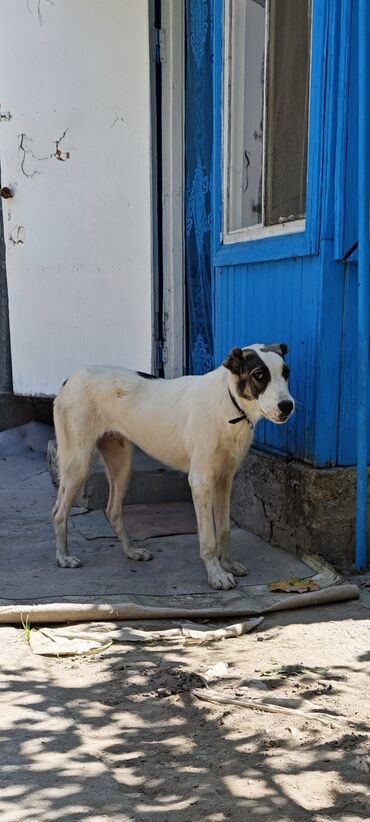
121, 737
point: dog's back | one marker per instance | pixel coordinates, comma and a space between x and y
98, 401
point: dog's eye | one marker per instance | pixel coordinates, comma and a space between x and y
258, 375
285, 372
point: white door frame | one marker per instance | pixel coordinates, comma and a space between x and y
173, 172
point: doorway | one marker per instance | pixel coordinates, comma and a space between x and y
185, 45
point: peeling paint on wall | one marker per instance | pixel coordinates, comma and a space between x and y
17, 235
118, 118
61, 155
28, 154
38, 8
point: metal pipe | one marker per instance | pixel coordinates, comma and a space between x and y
363, 280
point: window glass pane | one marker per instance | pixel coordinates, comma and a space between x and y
288, 80
245, 112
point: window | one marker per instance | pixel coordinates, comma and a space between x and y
266, 104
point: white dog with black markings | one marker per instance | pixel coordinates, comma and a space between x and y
189, 423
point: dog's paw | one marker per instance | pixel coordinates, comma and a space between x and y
235, 568
221, 581
69, 562
138, 554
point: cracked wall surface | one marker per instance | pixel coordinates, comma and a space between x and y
37, 6
17, 235
29, 160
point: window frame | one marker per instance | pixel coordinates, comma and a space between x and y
292, 239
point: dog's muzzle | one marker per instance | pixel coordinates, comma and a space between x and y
286, 408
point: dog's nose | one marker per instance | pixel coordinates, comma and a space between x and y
286, 406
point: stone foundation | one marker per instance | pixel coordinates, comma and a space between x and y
298, 507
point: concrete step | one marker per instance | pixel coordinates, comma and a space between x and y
151, 482
16, 411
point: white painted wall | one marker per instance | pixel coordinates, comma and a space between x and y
80, 280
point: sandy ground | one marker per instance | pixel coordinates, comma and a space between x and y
121, 737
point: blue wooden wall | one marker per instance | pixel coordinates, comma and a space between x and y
275, 302
291, 301
300, 290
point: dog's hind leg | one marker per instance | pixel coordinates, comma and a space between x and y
221, 510
117, 453
202, 489
73, 474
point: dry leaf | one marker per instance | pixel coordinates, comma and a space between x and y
294, 586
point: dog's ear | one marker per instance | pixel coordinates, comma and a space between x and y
277, 348
234, 361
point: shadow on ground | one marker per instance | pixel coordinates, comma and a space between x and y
94, 738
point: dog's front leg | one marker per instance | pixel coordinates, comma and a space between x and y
222, 522
202, 491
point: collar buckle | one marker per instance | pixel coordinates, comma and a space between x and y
243, 416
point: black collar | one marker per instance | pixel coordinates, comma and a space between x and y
243, 416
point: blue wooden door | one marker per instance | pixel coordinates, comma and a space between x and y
198, 185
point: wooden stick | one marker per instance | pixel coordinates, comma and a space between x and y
223, 699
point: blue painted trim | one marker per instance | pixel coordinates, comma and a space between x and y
319, 57
216, 148
329, 127
341, 139
284, 246
217, 171
363, 279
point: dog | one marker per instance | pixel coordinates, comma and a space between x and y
202, 425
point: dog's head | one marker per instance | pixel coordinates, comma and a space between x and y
262, 376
